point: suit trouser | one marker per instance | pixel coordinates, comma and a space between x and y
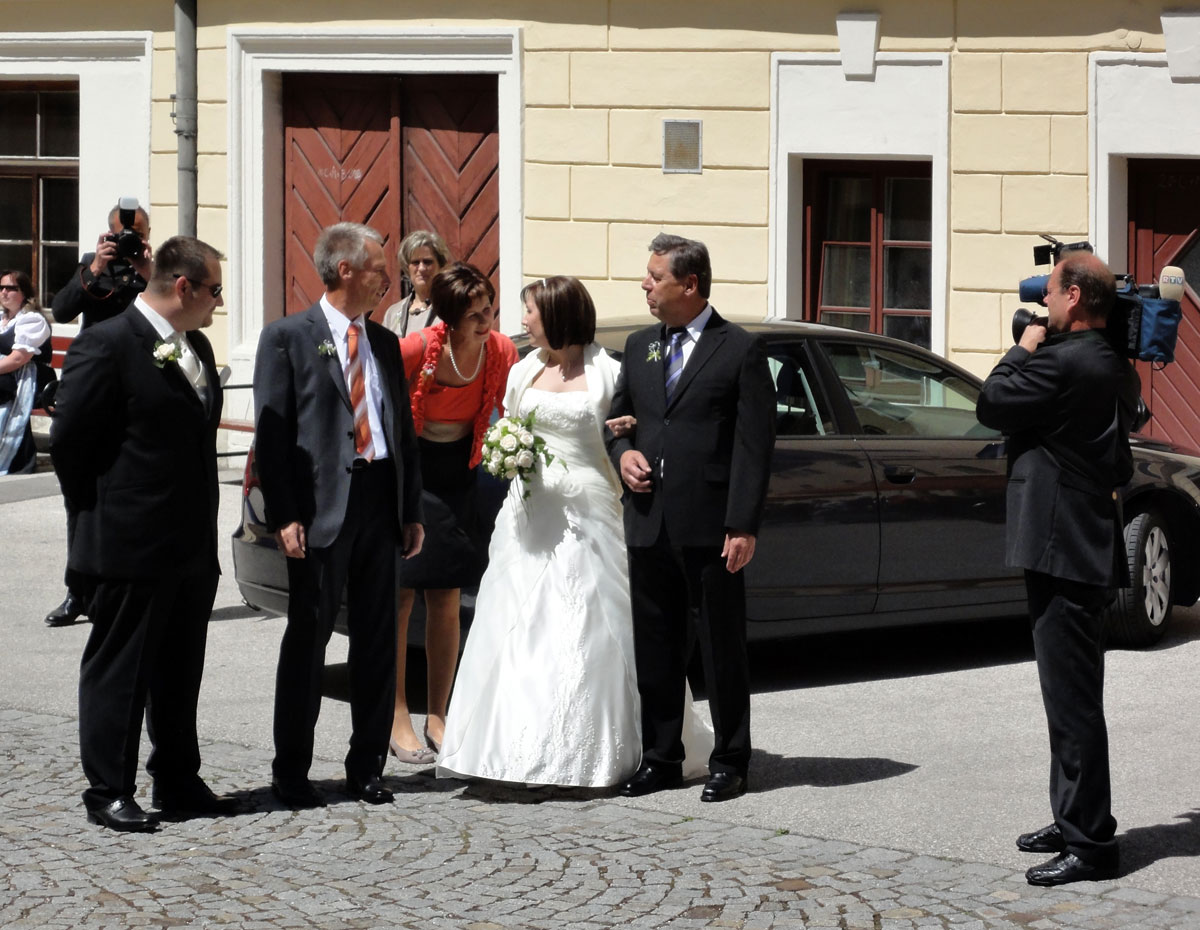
1068, 642
679, 592
362, 562
145, 655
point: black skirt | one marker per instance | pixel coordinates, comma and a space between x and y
453, 552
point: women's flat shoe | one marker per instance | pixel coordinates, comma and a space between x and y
420, 756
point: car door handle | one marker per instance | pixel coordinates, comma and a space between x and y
899, 474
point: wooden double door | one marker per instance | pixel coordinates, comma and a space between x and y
1164, 229
397, 152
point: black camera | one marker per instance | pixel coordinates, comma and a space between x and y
130, 246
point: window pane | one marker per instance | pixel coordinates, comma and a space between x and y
846, 276
906, 278
18, 115
16, 257
907, 209
60, 125
914, 329
797, 410
16, 218
58, 264
848, 210
60, 209
859, 321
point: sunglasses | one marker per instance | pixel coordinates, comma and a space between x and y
9, 287
214, 289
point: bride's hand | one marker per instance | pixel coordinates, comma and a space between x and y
621, 426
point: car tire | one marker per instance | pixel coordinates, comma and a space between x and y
1141, 612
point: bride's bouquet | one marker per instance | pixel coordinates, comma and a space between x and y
511, 449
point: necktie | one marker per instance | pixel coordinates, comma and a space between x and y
189, 364
358, 395
674, 360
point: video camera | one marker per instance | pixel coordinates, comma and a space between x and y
130, 246
1144, 319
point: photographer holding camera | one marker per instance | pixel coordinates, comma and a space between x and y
1066, 398
104, 284
108, 279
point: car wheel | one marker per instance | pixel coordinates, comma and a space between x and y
1141, 612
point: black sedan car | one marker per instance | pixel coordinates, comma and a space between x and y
886, 503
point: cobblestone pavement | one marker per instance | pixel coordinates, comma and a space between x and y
450, 855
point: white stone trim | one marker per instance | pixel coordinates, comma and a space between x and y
258, 56
858, 41
1137, 111
113, 71
1181, 35
816, 112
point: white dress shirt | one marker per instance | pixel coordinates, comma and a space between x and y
339, 326
189, 362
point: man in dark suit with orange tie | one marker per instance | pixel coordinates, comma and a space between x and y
337, 458
697, 467
134, 444
1066, 397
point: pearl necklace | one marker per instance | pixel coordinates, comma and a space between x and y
454, 364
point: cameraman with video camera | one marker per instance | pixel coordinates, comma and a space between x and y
104, 284
108, 279
1066, 398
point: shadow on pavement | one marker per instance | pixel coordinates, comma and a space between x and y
774, 771
1143, 846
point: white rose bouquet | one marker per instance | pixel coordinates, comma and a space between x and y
511, 449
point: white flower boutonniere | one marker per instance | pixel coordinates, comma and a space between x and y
655, 353
165, 352
327, 348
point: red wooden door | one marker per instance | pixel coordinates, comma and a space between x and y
1164, 229
341, 162
451, 164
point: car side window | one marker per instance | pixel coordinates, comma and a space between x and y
797, 410
896, 393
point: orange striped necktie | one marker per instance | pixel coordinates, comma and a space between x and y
358, 395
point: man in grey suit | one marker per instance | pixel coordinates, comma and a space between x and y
337, 459
1066, 398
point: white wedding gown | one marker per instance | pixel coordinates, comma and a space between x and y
546, 693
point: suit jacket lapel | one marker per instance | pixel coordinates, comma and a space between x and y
711, 340
171, 371
387, 378
332, 364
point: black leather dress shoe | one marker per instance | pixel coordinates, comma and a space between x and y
651, 778
296, 793
123, 814
195, 797
1046, 840
1068, 867
66, 613
370, 789
723, 786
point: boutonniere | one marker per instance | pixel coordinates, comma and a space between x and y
326, 348
655, 352
166, 352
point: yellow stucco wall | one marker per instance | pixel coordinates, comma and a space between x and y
599, 76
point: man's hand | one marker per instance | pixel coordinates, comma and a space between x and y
412, 537
738, 551
106, 251
1034, 336
292, 540
635, 471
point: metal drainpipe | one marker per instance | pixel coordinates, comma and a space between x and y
185, 112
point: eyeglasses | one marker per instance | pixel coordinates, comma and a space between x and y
214, 289
9, 287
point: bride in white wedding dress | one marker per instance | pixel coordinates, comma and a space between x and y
546, 692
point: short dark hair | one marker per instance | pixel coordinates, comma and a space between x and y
568, 314
25, 283
455, 288
1097, 286
685, 257
181, 257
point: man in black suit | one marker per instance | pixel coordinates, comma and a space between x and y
101, 287
337, 458
1066, 398
134, 443
696, 467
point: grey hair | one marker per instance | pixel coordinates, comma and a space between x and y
685, 257
342, 242
423, 239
